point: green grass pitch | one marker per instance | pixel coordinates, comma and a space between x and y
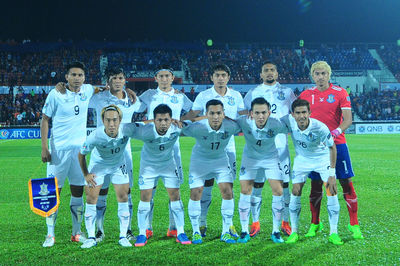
375, 158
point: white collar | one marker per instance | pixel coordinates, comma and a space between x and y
216, 94
170, 93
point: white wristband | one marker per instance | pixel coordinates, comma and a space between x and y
332, 171
340, 130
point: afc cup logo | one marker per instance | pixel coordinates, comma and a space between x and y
331, 98
83, 96
4, 134
231, 101
174, 99
281, 96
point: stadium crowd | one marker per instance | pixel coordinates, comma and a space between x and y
42, 64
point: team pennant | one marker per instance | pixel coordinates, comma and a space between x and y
43, 196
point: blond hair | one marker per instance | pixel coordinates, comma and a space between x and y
111, 107
323, 65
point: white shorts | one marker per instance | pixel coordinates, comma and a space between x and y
117, 175
150, 173
260, 170
284, 163
303, 166
202, 170
64, 164
128, 164
231, 153
177, 159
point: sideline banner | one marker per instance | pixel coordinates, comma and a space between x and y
378, 128
43, 196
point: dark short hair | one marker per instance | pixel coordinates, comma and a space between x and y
162, 109
75, 64
164, 67
220, 67
270, 63
214, 102
112, 71
260, 100
299, 103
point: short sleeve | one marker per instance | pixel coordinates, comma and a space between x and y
187, 104
49, 107
344, 100
326, 136
89, 143
198, 104
240, 106
247, 100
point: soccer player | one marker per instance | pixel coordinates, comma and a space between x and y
156, 162
280, 98
331, 105
315, 152
118, 96
209, 160
68, 113
107, 146
233, 106
260, 160
180, 104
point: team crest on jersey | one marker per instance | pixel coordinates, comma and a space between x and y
174, 99
311, 137
231, 101
331, 98
83, 96
242, 170
270, 133
190, 179
281, 96
225, 135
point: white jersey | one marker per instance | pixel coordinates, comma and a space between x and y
210, 144
232, 100
260, 143
106, 151
313, 142
157, 149
105, 98
69, 116
176, 101
280, 99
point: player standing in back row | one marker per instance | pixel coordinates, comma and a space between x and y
280, 98
331, 105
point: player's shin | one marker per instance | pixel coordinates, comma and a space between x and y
244, 211
143, 216
123, 216
90, 218
294, 209
227, 209
277, 209
101, 207
315, 200
333, 211
178, 215
351, 201
150, 218
286, 201
51, 222
130, 207
194, 209
256, 199
206, 198
76, 206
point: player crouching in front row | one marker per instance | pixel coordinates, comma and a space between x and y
315, 151
107, 159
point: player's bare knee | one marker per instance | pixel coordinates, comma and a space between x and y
174, 194
296, 189
195, 193
146, 195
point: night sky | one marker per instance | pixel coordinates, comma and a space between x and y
221, 20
